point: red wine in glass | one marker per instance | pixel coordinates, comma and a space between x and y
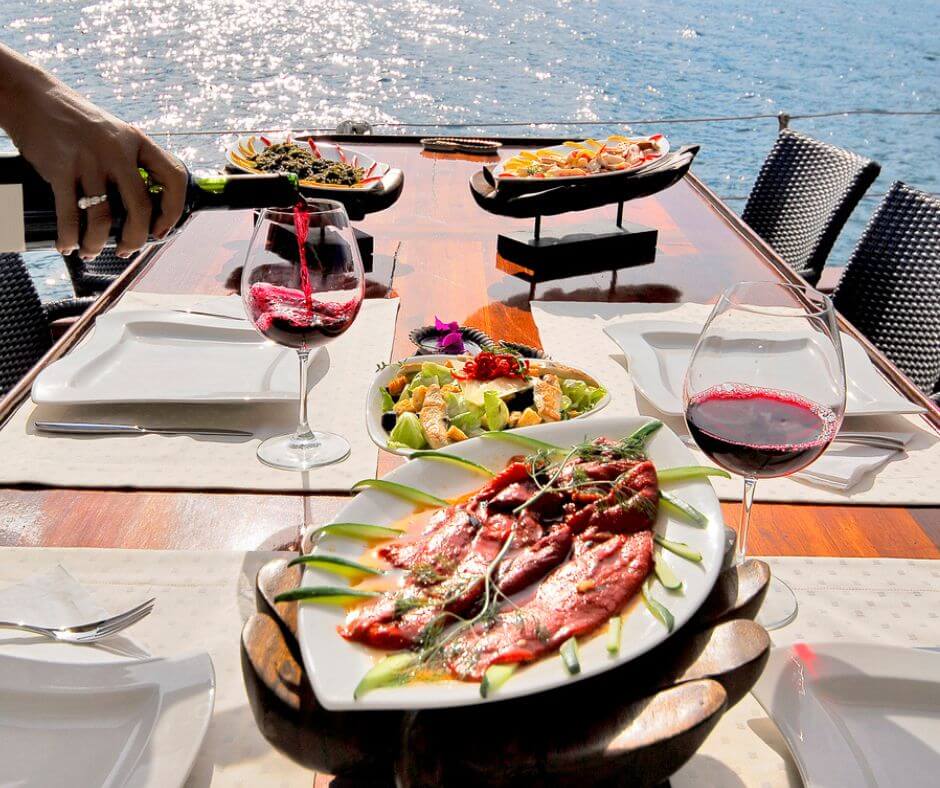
759, 433
303, 285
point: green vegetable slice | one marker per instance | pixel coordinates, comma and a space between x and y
664, 573
643, 433
412, 494
495, 410
364, 532
614, 630
679, 548
391, 670
681, 508
657, 608
687, 472
494, 678
387, 403
453, 460
325, 595
338, 566
523, 440
408, 432
569, 656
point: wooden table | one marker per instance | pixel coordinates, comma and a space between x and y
436, 250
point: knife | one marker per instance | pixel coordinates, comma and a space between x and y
93, 428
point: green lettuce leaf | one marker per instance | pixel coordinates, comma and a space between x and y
408, 432
497, 413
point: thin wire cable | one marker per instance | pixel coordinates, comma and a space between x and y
540, 123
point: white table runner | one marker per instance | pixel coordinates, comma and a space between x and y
573, 332
336, 403
204, 597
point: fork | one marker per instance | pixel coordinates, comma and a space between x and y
87, 633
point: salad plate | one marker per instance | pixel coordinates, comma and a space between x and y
130, 723
464, 410
658, 353
337, 665
285, 153
856, 714
143, 356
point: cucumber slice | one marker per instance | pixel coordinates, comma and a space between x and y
614, 630
681, 508
664, 573
450, 458
412, 494
679, 548
494, 678
569, 656
325, 595
338, 566
688, 472
658, 610
523, 440
391, 670
361, 531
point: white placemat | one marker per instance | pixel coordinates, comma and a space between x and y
573, 332
336, 403
203, 599
891, 602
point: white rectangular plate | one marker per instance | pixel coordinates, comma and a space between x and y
137, 723
856, 714
336, 665
658, 353
174, 357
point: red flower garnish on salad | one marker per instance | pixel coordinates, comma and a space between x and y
489, 366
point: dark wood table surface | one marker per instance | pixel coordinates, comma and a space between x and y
436, 250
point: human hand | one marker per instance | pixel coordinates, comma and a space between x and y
80, 150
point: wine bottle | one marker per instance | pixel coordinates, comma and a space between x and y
27, 204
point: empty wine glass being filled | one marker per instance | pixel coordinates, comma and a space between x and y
764, 394
303, 286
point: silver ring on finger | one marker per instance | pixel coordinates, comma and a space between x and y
87, 202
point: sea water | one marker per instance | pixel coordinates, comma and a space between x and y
188, 65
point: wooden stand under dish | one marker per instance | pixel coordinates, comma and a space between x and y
634, 725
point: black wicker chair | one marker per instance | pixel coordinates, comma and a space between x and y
802, 197
890, 289
96, 275
24, 320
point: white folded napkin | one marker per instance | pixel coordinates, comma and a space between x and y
56, 599
844, 465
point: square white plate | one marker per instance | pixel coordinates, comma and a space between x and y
173, 357
658, 353
856, 714
336, 665
132, 723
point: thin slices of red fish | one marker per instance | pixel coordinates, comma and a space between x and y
575, 599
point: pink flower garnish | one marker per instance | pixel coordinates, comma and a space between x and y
451, 340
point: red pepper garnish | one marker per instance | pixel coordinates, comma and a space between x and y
489, 366
339, 152
314, 148
369, 180
266, 141
655, 136
371, 169
355, 161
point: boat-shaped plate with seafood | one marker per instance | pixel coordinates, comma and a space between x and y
584, 161
318, 165
429, 402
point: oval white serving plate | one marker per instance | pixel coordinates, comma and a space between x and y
663, 150
335, 665
384, 376
328, 150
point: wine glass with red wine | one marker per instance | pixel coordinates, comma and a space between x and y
764, 394
303, 285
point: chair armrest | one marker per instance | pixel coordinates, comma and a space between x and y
66, 307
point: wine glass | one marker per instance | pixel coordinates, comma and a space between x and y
303, 285
764, 394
